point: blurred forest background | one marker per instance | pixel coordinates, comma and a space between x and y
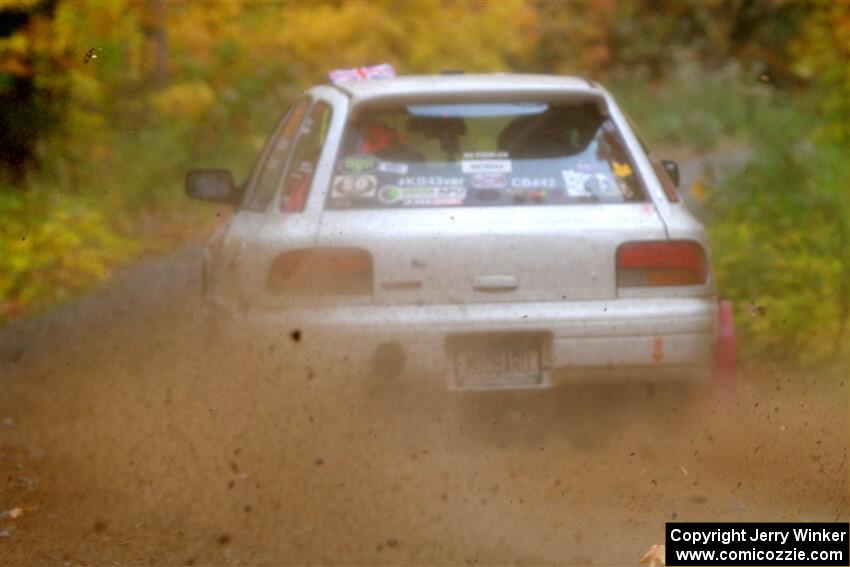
105, 105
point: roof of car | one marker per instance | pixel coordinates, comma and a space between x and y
458, 85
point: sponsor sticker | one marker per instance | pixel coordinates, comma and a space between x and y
488, 194
603, 186
305, 167
538, 195
485, 155
362, 186
430, 181
421, 196
393, 167
621, 169
625, 189
383, 71
485, 166
534, 182
488, 181
358, 163
574, 182
586, 166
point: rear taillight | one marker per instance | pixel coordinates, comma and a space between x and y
321, 271
651, 264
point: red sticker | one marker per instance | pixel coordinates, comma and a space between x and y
658, 350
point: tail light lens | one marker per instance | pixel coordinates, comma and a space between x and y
656, 264
321, 271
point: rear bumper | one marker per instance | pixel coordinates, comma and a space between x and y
626, 339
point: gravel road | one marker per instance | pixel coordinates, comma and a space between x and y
127, 438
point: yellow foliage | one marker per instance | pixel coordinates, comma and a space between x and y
421, 37
195, 30
700, 189
85, 89
189, 100
14, 66
822, 54
17, 4
51, 248
13, 53
17, 44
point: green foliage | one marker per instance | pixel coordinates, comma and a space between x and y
779, 229
689, 111
779, 232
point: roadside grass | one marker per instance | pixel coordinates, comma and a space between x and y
694, 109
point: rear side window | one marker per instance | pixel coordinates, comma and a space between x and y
488, 154
666, 183
305, 157
272, 168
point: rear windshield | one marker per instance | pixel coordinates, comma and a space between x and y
489, 154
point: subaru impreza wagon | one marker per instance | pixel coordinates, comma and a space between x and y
511, 231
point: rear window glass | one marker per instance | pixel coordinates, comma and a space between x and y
488, 154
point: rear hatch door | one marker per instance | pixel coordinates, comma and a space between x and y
492, 254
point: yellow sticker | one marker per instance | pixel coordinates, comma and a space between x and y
622, 169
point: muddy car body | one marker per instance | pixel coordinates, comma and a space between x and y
509, 230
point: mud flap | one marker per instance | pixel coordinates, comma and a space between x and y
725, 378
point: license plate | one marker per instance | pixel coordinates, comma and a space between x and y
504, 362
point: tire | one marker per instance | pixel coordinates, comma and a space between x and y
384, 370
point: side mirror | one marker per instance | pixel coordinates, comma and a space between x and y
672, 169
214, 185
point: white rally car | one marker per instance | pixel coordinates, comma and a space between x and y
511, 230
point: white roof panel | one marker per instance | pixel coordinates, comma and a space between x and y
466, 86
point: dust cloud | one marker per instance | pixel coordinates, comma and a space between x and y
129, 436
